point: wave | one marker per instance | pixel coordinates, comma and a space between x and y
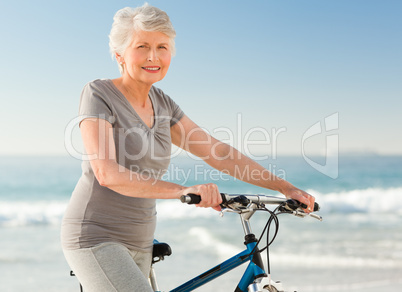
207, 241
366, 201
372, 200
21, 213
211, 246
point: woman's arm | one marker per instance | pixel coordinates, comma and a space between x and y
97, 135
190, 137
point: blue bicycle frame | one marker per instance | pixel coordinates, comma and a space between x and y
254, 270
254, 273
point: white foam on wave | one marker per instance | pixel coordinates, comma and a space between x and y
20, 213
372, 200
208, 241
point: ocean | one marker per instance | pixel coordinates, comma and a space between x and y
357, 246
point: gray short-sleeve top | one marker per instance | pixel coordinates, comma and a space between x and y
97, 214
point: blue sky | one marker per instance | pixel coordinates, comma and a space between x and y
272, 65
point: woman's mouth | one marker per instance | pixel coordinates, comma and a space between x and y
152, 69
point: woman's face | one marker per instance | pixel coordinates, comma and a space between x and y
147, 58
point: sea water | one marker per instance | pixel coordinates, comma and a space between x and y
357, 247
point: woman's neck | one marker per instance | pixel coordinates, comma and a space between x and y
135, 92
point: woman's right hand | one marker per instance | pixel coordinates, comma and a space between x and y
210, 196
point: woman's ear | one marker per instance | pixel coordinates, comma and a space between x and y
120, 61
119, 58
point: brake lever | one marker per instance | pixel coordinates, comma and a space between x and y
315, 216
294, 207
300, 213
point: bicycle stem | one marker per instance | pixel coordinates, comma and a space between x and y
245, 218
245, 215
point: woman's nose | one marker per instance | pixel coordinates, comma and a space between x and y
153, 56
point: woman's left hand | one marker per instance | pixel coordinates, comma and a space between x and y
302, 197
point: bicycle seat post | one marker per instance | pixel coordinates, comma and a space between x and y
152, 279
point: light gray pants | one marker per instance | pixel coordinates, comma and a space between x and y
110, 267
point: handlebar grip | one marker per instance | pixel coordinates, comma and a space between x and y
190, 199
316, 206
294, 204
196, 199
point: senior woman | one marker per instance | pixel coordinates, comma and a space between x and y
128, 127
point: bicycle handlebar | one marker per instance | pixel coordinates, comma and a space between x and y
257, 199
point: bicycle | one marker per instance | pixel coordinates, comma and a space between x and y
254, 279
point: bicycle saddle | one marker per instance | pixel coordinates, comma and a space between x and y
160, 250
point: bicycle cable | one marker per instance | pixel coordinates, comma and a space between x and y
272, 218
267, 227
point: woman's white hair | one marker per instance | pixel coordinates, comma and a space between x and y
128, 20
